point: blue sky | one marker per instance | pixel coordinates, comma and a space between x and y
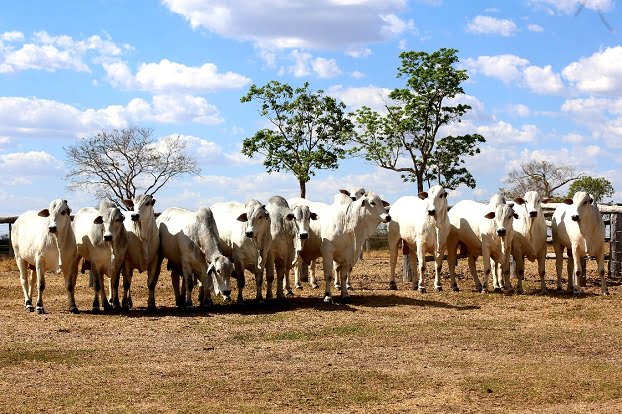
545, 83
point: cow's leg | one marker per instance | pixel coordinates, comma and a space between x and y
94, 276
576, 257
189, 281
520, 273
114, 291
486, 260
281, 272
473, 271
393, 248
22, 265
570, 271
240, 279
414, 268
287, 281
327, 259
102, 293
152, 282
542, 271
438, 261
343, 275
559, 263
40, 267
270, 269
336, 277
179, 301
312, 274
70, 273
127, 285
505, 272
421, 266
451, 265
600, 259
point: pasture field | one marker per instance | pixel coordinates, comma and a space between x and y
387, 351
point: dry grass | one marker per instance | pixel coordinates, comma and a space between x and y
389, 352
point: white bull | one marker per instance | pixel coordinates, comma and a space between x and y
44, 240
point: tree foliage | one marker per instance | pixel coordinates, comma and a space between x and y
542, 176
119, 164
405, 139
308, 130
599, 187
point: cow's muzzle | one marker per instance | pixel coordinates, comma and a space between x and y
249, 234
52, 229
304, 236
108, 237
575, 217
135, 217
432, 212
533, 214
501, 232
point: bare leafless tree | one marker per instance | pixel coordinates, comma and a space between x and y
121, 163
542, 176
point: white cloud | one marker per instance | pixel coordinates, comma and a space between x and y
359, 52
371, 96
573, 138
20, 165
600, 73
571, 6
516, 70
519, 110
324, 24
325, 68
535, 28
46, 118
12, 36
51, 53
167, 76
357, 74
300, 67
503, 132
492, 25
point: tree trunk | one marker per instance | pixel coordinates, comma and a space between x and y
419, 183
303, 188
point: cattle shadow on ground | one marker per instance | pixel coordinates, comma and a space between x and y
383, 301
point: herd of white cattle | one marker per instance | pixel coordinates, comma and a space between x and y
209, 246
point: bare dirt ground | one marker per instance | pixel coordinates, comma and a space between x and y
387, 351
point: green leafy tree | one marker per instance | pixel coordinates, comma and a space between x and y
406, 139
308, 131
599, 187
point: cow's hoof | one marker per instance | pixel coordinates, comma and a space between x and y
314, 286
421, 290
299, 287
116, 307
151, 309
483, 290
606, 293
40, 310
519, 291
455, 288
349, 287
290, 293
498, 290
438, 288
328, 299
74, 310
544, 292
29, 308
559, 290
107, 307
95, 311
207, 303
129, 303
227, 299
392, 286
338, 287
239, 301
269, 295
346, 299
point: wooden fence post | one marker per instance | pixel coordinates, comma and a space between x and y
615, 262
11, 252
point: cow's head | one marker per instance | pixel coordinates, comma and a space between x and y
532, 204
502, 216
111, 219
141, 207
581, 203
58, 215
375, 206
301, 216
255, 218
355, 193
220, 271
437, 201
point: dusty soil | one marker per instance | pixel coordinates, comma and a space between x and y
387, 351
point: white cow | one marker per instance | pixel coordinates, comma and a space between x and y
244, 231
578, 226
102, 241
143, 241
484, 230
340, 235
422, 223
529, 239
190, 242
44, 240
289, 229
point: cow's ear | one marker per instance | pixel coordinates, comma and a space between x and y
515, 216
153, 201
289, 217
490, 215
547, 200
346, 192
568, 201
243, 217
98, 220
386, 203
519, 200
591, 200
65, 201
313, 216
128, 203
44, 213
511, 204
423, 195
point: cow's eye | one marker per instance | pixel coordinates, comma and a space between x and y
585, 202
62, 213
373, 203
119, 220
